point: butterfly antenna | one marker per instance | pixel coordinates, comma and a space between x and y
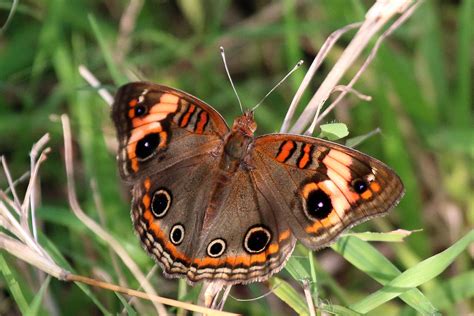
278, 84
230, 79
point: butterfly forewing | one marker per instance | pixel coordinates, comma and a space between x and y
326, 187
150, 118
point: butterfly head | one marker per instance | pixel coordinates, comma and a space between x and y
245, 124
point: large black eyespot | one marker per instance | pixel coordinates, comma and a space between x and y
257, 239
216, 248
160, 203
140, 110
177, 234
147, 145
360, 186
318, 204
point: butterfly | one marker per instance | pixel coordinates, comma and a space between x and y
217, 203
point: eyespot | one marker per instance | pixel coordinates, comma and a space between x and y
318, 204
140, 110
161, 203
257, 239
177, 234
147, 145
216, 248
359, 186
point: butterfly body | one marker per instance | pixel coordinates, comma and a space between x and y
217, 203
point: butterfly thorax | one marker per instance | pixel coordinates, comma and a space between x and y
239, 143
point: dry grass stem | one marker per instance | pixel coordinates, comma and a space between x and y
318, 60
377, 16
147, 296
93, 226
309, 298
317, 120
95, 83
127, 24
20, 241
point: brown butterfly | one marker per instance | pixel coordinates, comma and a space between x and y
214, 203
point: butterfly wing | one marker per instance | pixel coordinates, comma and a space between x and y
241, 242
158, 126
323, 188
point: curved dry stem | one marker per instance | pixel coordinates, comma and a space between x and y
92, 225
317, 120
378, 15
318, 60
147, 296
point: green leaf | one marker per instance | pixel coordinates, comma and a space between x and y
106, 51
36, 303
296, 269
13, 286
369, 260
356, 141
287, 294
126, 305
334, 131
193, 10
454, 290
415, 276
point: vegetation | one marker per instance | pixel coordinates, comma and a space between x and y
421, 88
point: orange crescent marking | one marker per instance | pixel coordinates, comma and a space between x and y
374, 186
303, 162
285, 151
308, 188
163, 139
131, 113
147, 184
186, 117
146, 201
317, 225
133, 102
366, 195
203, 118
135, 164
284, 235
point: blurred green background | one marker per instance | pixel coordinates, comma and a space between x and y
420, 81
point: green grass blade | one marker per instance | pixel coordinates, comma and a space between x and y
369, 260
59, 258
10, 16
454, 290
287, 294
462, 112
415, 276
36, 303
126, 305
296, 269
357, 140
13, 286
106, 52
